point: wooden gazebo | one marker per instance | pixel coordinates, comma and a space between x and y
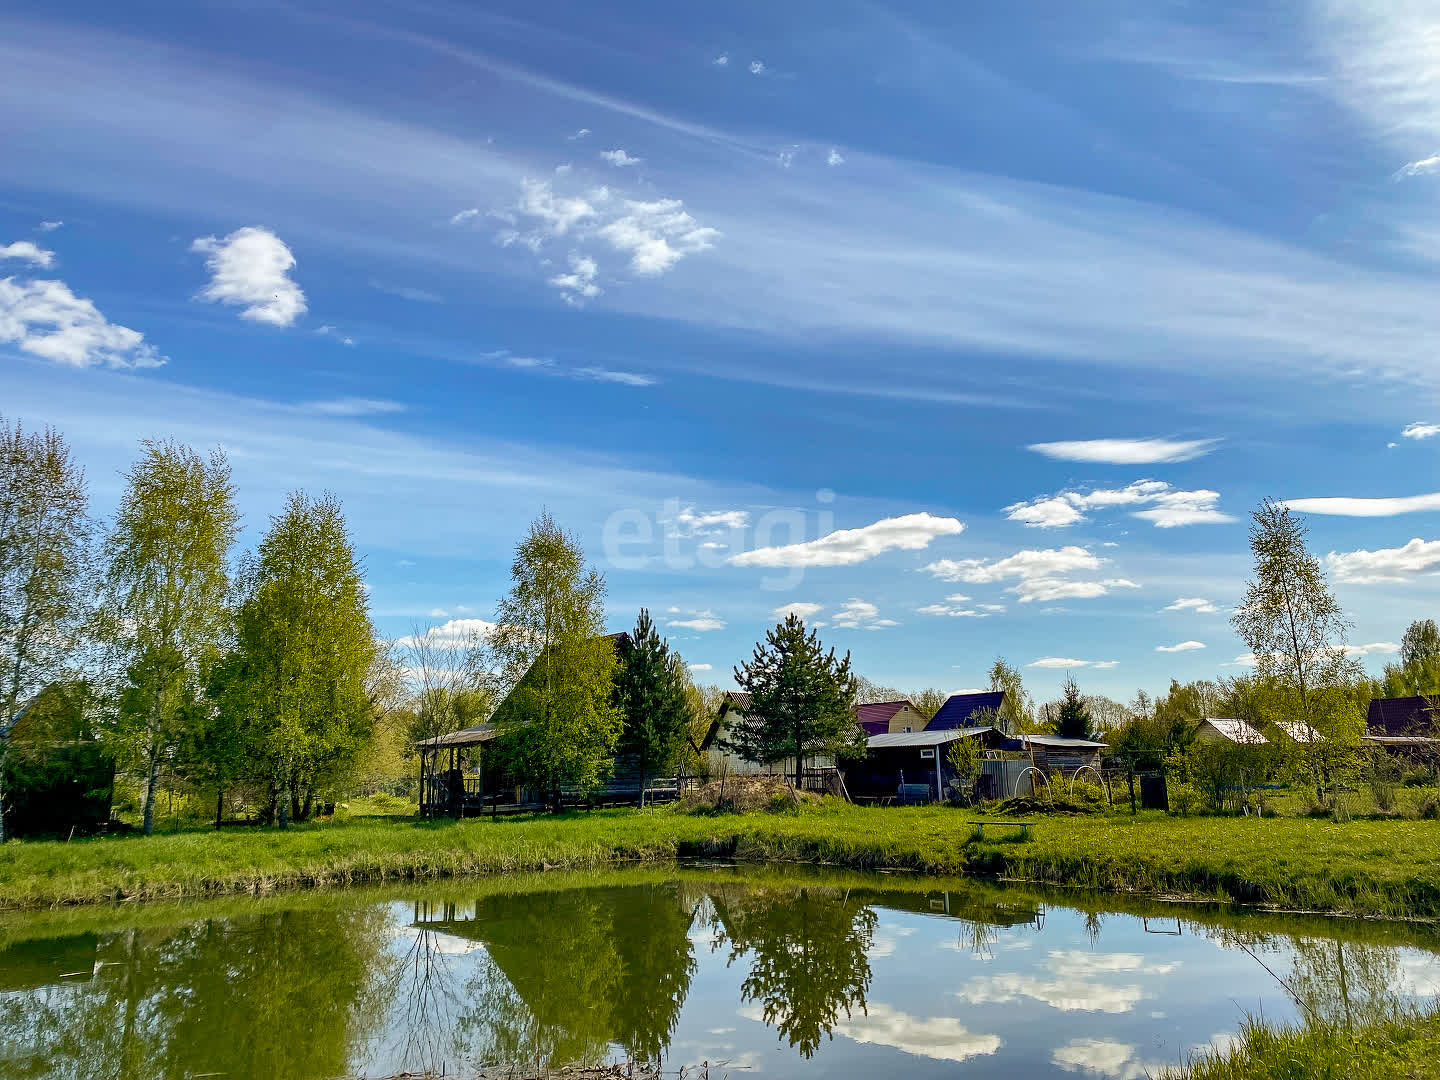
446, 790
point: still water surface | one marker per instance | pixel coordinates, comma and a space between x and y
778, 974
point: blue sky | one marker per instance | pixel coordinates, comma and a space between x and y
713, 284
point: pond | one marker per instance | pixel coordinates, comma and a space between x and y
773, 972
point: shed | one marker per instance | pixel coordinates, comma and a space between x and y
444, 789
912, 757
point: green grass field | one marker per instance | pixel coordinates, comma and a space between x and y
1387, 868
1404, 1048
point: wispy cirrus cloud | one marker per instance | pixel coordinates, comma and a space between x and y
1344, 506
957, 606
1126, 451
250, 269
1183, 646
1199, 605
353, 406
702, 621
846, 547
1385, 565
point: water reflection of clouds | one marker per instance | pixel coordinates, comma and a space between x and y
940, 1037
1072, 983
886, 939
1105, 1057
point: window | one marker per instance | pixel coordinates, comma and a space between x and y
908, 729
927, 753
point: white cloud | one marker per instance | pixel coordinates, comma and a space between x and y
1126, 451
31, 253
711, 522
455, 634
801, 608
465, 215
1385, 507
1387, 648
699, 621
405, 292
1048, 562
857, 614
609, 375
558, 214
45, 319
582, 133
250, 268
723, 60
1184, 646
834, 158
657, 235
845, 547
1419, 430
702, 667
353, 406
619, 158
50, 226
579, 283
1078, 962
1041, 574
1070, 662
757, 67
1430, 164
1197, 604
955, 607
1170, 508
438, 613
941, 1038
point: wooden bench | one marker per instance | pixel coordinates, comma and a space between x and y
1023, 826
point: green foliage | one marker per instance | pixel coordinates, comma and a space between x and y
166, 589
651, 693
800, 700
46, 569
1295, 630
1224, 771
927, 702
559, 721
1184, 799
1017, 712
295, 686
1073, 720
965, 756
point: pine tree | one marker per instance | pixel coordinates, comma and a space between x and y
559, 721
304, 649
651, 691
166, 592
801, 700
1073, 721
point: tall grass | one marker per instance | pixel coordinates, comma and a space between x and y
1362, 867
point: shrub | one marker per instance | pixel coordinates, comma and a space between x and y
1430, 808
1085, 792
1184, 799
1383, 780
1418, 776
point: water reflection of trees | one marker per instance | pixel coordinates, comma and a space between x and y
568, 975
242, 997
807, 949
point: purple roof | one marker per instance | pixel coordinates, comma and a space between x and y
1402, 716
875, 717
959, 708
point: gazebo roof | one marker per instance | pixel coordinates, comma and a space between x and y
470, 736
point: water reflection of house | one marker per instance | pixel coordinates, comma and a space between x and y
36, 962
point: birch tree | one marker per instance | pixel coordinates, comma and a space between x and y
559, 721
46, 569
1296, 631
166, 591
304, 653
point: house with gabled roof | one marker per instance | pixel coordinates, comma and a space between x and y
959, 710
1222, 729
889, 717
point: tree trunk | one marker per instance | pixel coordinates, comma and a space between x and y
219, 806
284, 800
4, 748
152, 777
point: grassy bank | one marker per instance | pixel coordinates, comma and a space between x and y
1404, 1047
1359, 867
